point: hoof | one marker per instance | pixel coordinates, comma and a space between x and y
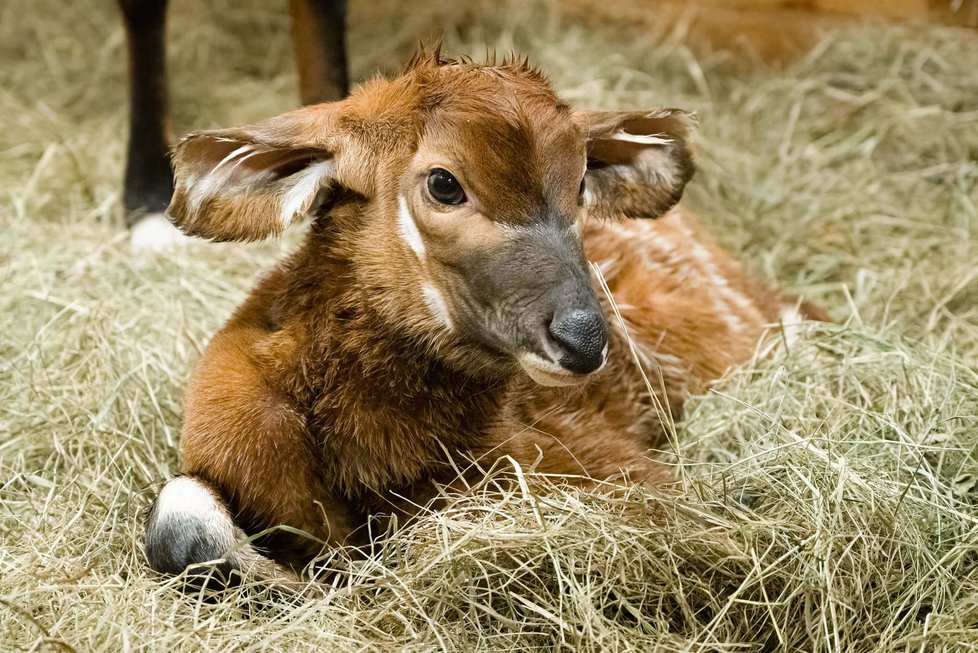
155, 233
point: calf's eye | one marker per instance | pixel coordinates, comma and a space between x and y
444, 187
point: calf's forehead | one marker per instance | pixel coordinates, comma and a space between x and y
520, 155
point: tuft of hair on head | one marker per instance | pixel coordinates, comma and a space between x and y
512, 62
425, 58
521, 64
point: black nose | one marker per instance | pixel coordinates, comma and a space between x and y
582, 338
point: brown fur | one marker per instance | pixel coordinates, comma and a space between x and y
332, 393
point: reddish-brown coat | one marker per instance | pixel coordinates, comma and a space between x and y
331, 394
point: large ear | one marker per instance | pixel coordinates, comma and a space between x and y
252, 182
638, 163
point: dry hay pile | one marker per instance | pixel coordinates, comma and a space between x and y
831, 500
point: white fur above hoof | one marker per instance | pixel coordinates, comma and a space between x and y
155, 233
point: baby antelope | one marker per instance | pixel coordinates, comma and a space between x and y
443, 307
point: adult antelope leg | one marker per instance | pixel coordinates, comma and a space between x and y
148, 180
319, 38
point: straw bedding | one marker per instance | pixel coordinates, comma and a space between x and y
830, 491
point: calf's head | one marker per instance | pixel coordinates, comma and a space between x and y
456, 194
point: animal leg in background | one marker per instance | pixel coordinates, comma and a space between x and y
148, 181
319, 37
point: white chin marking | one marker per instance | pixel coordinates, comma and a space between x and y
408, 228
155, 233
548, 374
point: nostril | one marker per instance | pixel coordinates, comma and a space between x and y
582, 336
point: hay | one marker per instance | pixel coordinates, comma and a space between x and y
831, 496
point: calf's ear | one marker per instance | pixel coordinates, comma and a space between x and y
638, 163
252, 182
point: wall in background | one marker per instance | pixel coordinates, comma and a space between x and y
773, 29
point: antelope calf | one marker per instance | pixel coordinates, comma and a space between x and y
441, 305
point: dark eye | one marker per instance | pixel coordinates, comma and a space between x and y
580, 193
444, 188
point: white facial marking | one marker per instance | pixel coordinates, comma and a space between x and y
436, 304
548, 373
641, 139
409, 229
544, 372
308, 182
588, 197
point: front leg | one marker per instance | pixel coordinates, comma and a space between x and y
244, 435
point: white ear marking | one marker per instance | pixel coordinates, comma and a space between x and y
409, 229
200, 188
307, 183
641, 139
239, 162
233, 154
207, 185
